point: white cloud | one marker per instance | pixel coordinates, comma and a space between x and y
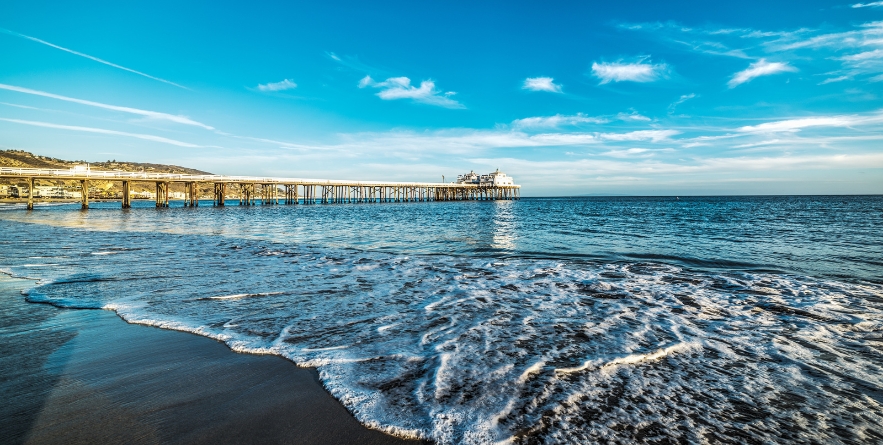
278, 86
834, 79
866, 5
149, 114
96, 59
875, 54
714, 48
758, 69
867, 62
628, 72
759, 144
682, 99
400, 88
147, 137
627, 153
793, 125
541, 84
366, 81
353, 63
640, 135
863, 40
563, 120
633, 116
867, 34
557, 120
705, 141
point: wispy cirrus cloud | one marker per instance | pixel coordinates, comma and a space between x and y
864, 56
282, 85
147, 137
558, 120
867, 34
148, 114
541, 84
706, 30
354, 64
682, 99
867, 5
834, 80
628, 72
395, 88
575, 120
853, 48
640, 135
628, 153
96, 59
865, 62
633, 116
793, 125
702, 39
758, 69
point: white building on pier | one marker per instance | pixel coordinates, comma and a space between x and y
494, 179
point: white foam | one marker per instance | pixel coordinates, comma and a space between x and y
330, 348
634, 359
238, 296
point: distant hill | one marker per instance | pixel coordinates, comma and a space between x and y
24, 159
97, 188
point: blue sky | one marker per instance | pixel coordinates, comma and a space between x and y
648, 98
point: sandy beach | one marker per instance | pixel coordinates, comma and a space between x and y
86, 376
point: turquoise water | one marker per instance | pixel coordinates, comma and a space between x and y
539, 320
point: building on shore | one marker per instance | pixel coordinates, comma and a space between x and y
40, 191
494, 179
143, 195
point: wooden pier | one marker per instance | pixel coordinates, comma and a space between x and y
264, 191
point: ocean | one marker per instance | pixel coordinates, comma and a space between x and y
542, 320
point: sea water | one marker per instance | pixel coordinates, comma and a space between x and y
569, 320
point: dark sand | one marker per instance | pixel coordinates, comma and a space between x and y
86, 376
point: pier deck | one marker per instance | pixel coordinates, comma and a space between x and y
251, 190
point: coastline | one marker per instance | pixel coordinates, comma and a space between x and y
87, 376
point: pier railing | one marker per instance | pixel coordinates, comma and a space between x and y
252, 190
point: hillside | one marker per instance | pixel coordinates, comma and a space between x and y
97, 189
24, 159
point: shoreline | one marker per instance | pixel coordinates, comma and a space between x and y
88, 376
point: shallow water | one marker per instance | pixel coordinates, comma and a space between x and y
542, 320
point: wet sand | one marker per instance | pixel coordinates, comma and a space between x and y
86, 376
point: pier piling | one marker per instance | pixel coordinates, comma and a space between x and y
84, 191
126, 195
30, 193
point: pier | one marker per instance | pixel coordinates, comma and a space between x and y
251, 190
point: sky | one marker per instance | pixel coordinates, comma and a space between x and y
568, 98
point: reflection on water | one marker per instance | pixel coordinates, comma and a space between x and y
503, 226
